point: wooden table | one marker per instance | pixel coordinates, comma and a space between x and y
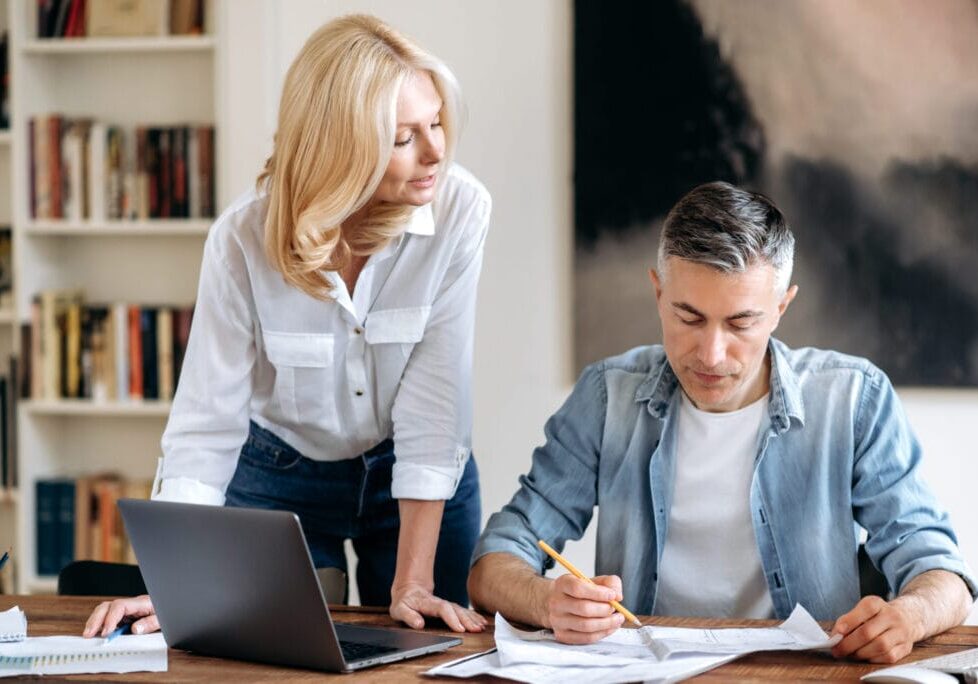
54, 615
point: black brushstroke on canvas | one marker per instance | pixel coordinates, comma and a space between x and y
657, 111
856, 238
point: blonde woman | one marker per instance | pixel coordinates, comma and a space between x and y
328, 369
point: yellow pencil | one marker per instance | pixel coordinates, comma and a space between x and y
580, 575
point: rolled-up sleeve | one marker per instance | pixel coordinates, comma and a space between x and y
556, 500
208, 421
908, 530
432, 410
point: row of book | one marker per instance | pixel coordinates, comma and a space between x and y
101, 352
79, 520
78, 18
82, 169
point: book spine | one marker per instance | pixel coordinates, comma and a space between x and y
26, 378
50, 346
193, 174
96, 171
11, 434
32, 166
164, 353
149, 356
166, 174
73, 345
46, 503
120, 327
66, 524
83, 518
37, 351
42, 174
54, 165
135, 355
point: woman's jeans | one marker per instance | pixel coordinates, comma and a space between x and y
351, 499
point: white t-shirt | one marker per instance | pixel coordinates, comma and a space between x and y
710, 564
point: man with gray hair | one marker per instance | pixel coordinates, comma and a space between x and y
733, 474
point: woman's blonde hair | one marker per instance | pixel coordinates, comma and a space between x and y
336, 127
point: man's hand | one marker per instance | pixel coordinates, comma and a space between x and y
877, 631
109, 614
410, 602
578, 612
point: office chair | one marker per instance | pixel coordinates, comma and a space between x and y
98, 578
871, 581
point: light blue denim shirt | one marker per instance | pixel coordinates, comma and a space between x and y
837, 454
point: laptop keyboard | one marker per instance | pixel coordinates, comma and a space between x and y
354, 650
961, 662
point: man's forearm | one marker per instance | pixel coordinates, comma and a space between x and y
937, 600
501, 582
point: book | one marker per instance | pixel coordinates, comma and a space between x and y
127, 17
135, 355
73, 338
147, 329
120, 328
84, 507
65, 523
97, 152
46, 511
164, 352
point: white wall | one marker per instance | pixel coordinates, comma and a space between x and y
513, 60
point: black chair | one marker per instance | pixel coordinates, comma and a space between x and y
872, 582
97, 578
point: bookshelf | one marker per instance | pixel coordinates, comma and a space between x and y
147, 81
8, 497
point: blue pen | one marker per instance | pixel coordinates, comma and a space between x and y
6, 555
119, 631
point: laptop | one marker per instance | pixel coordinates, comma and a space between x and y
240, 583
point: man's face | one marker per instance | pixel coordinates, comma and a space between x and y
715, 330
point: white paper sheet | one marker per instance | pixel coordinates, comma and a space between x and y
75, 655
799, 632
674, 670
13, 625
650, 654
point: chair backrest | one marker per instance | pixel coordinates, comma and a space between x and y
333, 583
872, 582
97, 578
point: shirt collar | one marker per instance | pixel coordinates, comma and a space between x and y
785, 402
422, 222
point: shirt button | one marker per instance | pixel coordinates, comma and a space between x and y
358, 331
359, 393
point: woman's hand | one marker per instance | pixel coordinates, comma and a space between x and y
108, 614
410, 602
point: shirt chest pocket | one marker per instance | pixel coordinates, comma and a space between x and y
397, 326
391, 335
305, 382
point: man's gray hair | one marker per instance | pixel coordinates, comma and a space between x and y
730, 229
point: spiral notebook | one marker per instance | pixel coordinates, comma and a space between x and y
77, 655
13, 625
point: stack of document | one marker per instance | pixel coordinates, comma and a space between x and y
651, 654
74, 655
13, 625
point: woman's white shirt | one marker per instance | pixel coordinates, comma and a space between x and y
333, 378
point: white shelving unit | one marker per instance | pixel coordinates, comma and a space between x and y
124, 81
